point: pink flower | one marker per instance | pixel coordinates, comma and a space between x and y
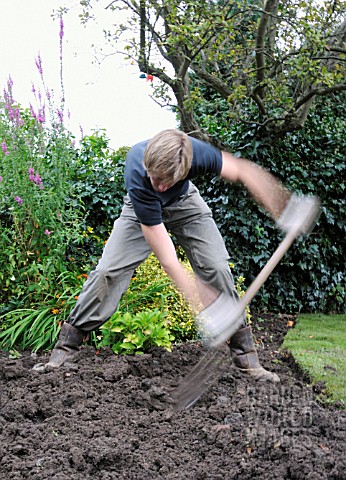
4, 148
18, 199
35, 177
10, 114
47, 232
38, 179
31, 174
0, 178
18, 117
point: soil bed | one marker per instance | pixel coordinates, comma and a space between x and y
109, 417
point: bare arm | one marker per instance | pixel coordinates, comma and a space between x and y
263, 186
162, 245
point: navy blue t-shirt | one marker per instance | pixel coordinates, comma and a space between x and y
148, 203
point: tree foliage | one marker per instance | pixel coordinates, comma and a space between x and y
268, 60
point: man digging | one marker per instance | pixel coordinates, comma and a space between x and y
162, 199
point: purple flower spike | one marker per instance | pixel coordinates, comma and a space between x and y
38, 179
4, 148
31, 174
60, 115
18, 117
41, 115
61, 33
38, 62
32, 111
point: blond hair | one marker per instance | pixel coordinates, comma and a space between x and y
168, 155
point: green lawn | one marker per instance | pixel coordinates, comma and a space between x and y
318, 345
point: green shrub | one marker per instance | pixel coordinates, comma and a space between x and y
136, 334
311, 276
98, 181
151, 287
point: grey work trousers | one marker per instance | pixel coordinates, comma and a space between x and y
190, 220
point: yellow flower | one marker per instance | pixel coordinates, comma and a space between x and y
55, 311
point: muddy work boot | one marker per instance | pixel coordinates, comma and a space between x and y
65, 350
245, 357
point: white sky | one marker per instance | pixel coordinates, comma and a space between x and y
109, 96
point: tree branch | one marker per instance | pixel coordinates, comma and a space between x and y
215, 82
260, 42
142, 28
319, 91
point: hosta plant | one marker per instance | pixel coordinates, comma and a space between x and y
136, 334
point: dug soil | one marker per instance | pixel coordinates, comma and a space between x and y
113, 417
